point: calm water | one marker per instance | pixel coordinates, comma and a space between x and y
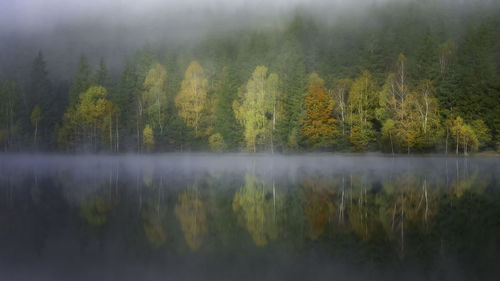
236, 217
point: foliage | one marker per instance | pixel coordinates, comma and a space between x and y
192, 98
154, 97
216, 143
255, 110
81, 82
319, 126
90, 119
390, 85
148, 140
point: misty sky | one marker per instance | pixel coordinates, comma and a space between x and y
115, 29
33, 14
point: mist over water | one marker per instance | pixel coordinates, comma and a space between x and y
248, 217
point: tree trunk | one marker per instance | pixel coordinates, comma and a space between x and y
36, 131
392, 147
117, 135
274, 127
110, 133
446, 143
465, 147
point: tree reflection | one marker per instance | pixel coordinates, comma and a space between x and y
407, 204
319, 208
154, 220
94, 210
362, 210
192, 215
256, 209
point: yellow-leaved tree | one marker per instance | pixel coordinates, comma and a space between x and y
90, 121
148, 140
154, 97
362, 102
256, 109
192, 97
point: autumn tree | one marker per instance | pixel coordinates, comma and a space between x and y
482, 133
362, 102
256, 108
192, 97
389, 132
418, 120
464, 136
319, 126
340, 94
457, 131
392, 100
154, 97
410, 118
148, 140
216, 143
408, 123
89, 121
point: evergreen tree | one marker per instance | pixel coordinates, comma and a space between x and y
40, 93
82, 80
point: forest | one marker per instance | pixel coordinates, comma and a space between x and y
406, 77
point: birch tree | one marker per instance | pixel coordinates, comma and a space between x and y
192, 97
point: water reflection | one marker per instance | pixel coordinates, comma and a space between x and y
192, 216
361, 211
255, 205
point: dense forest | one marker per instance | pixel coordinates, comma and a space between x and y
403, 78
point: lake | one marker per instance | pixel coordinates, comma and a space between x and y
249, 217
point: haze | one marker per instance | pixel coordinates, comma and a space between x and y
114, 30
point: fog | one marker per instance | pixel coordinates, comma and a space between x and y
182, 167
114, 30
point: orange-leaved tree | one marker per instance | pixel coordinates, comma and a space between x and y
319, 125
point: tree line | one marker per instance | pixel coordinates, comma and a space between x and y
397, 88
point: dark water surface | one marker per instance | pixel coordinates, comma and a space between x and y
237, 217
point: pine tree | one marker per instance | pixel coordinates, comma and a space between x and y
82, 80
